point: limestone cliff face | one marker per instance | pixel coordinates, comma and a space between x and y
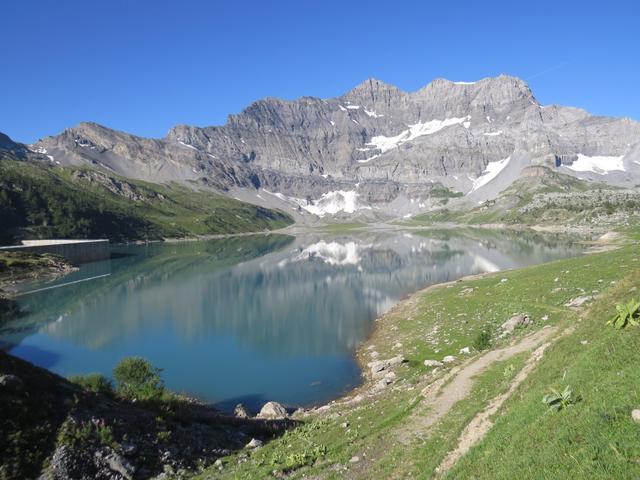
376, 139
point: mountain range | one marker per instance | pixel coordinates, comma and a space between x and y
374, 152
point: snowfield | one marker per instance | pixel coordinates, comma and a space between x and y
384, 144
598, 164
329, 203
491, 172
334, 202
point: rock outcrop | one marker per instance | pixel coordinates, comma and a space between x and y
272, 410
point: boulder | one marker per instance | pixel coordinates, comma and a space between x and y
432, 363
380, 367
120, 465
390, 377
397, 360
376, 366
449, 359
464, 351
635, 415
578, 301
272, 410
241, 412
521, 319
254, 443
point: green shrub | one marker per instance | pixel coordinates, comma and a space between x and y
627, 314
482, 341
93, 382
96, 430
137, 379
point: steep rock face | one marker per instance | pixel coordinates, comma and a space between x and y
377, 141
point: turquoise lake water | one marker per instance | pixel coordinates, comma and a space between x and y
250, 319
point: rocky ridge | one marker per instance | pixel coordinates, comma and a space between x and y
375, 150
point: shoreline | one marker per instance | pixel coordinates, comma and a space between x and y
367, 385
360, 354
605, 243
46, 267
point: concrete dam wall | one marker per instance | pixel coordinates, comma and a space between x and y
75, 251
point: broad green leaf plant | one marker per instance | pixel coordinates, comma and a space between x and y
557, 401
627, 314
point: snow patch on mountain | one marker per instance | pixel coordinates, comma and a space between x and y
490, 172
329, 203
367, 160
187, 145
335, 202
372, 113
597, 164
384, 144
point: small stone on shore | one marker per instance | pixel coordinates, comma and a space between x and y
432, 363
254, 443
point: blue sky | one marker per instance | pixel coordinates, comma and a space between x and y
143, 66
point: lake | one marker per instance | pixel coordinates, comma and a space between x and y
254, 318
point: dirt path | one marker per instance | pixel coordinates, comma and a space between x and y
482, 423
443, 394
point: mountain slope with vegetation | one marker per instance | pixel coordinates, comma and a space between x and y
544, 197
86, 428
41, 201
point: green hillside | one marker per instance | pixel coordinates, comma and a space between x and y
39, 201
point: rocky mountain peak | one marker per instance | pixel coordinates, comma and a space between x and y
373, 93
